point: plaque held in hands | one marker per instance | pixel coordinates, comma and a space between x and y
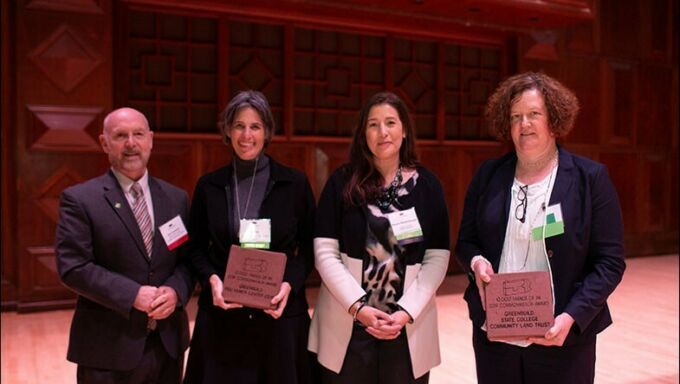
518, 305
253, 276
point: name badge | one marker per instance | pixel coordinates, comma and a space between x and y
255, 233
554, 223
406, 226
174, 233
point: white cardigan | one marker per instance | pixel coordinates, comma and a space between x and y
331, 327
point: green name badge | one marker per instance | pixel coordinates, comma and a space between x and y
554, 224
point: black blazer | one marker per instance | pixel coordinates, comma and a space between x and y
101, 256
288, 202
587, 260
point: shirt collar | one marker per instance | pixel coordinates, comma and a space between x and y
126, 182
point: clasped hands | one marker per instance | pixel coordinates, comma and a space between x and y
555, 336
382, 325
157, 302
279, 301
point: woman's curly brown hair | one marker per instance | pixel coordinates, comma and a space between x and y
560, 102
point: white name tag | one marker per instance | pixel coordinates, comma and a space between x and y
174, 233
406, 226
255, 233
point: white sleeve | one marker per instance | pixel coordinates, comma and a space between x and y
335, 274
429, 277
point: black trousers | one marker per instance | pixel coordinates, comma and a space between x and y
156, 366
373, 361
536, 364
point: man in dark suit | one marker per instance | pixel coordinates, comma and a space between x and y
115, 252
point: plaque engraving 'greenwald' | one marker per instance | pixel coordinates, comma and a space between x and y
253, 276
518, 305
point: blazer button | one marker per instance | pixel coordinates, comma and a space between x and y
550, 253
250, 317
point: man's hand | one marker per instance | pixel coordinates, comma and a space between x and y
164, 304
218, 300
279, 301
557, 333
145, 297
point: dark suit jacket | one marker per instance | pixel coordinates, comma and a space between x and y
587, 260
101, 256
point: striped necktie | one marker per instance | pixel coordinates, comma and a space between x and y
141, 213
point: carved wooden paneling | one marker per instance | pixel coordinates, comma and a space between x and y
441, 161
65, 58
64, 128
79, 6
293, 155
652, 39
618, 38
47, 195
174, 161
42, 274
169, 69
620, 107
316, 62
63, 86
583, 37
624, 172
8, 263
657, 177
655, 107
213, 155
333, 72
255, 61
542, 46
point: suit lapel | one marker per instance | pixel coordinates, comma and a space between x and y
502, 183
564, 180
119, 204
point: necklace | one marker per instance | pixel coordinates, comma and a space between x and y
250, 190
541, 210
389, 194
537, 164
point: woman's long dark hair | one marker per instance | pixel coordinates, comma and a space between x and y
365, 181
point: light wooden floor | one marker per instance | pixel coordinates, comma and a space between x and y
640, 347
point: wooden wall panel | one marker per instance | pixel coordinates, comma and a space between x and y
174, 162
63, 85
655, 104
8, 263
308, 59
624, 172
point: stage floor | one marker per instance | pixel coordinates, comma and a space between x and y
640, 347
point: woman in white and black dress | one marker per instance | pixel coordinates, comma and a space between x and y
375, 319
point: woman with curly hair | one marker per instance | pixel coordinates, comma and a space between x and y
510, 204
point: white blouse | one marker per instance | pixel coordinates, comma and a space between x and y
521, 253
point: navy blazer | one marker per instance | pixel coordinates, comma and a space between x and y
587, 260
101, 256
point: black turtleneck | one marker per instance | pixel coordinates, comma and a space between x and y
244, 173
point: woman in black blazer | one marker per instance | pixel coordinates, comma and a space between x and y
231, 343
540, 185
